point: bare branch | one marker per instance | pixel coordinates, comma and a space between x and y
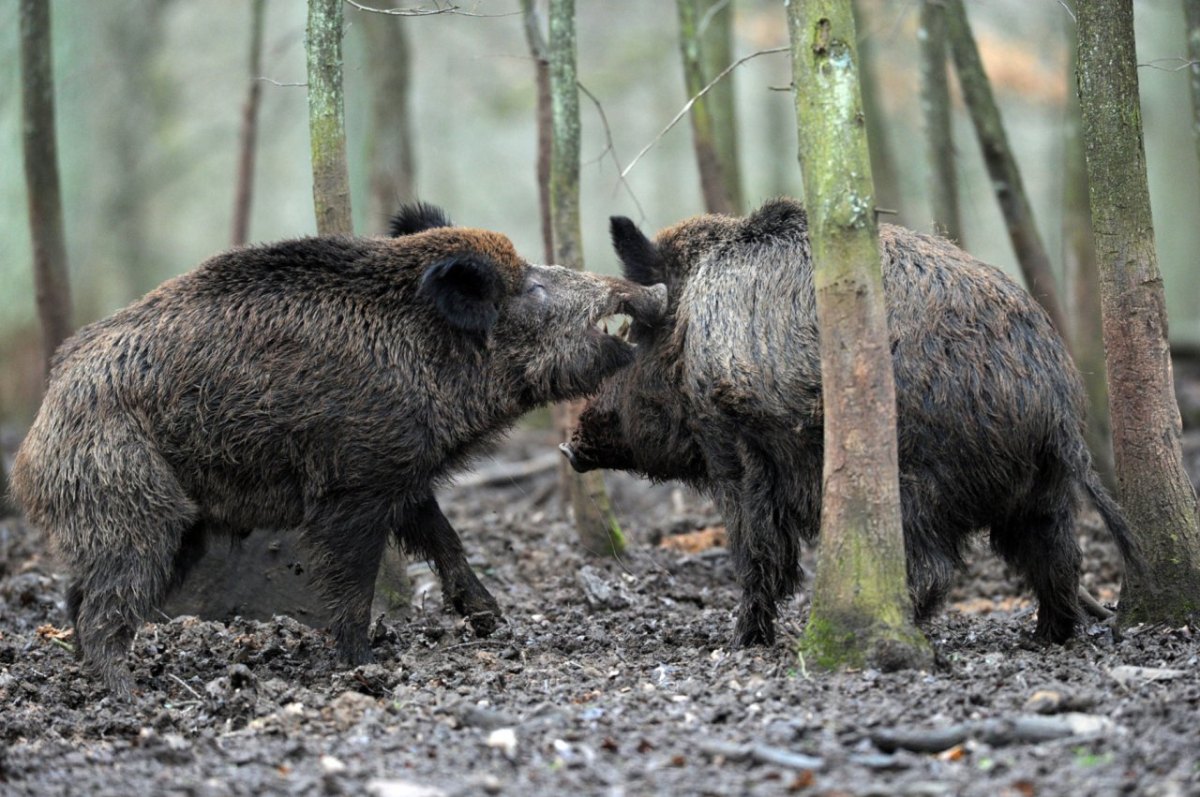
688, 105
1184, 63
610, 149
426, 12
277, 83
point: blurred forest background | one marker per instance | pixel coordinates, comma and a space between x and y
149, 100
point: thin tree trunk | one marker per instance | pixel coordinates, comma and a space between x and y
716, 53
390, 134
1151, 482
1081, 284
1191, 12
883, 163
595, 522
41, 178
541, 60
704, 140
861, 610
249, 133
935, 103
326, 119
1002, 166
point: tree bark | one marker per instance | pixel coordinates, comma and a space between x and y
1081, 285
1191, 13
704, 137
1151, 483
541, 59
1002, 166
389, 149
716, 53
883, 162
595, 522
861, 610
935, 104
249, 134
326, 119
44, 195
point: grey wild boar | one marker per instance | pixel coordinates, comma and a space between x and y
725, 393
322, 384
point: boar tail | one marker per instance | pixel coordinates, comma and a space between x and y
1114, 519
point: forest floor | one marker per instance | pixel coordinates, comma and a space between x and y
608, 678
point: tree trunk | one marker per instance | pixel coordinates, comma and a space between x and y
1001, 166
390, 134
1191, 12
1151, 482
861, 610
249, 134
704, 137
935, 103
883, 163
326, 120
1081, 285
595, 522
541, 60
41, 178
716, 53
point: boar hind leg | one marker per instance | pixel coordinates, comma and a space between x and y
428, 534
121, 546
1042, 547
346, 538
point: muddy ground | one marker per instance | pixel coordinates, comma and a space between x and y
608, 678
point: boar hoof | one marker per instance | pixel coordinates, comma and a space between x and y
119, 683
754, 630
483, 623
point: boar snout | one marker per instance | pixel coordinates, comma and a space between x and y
577, 462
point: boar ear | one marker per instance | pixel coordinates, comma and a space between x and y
417, 217
466, 290
640, 258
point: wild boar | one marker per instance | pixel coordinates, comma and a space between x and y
323, 384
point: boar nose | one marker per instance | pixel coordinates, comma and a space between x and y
573, 458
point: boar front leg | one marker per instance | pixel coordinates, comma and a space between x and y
346, 536
428, 534
764, 546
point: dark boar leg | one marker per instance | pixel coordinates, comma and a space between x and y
346, 536
1043, 549
120, 544
428, 534
764, 546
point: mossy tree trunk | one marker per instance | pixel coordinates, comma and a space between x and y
1151, 483
935, 105
44, 194
717, 53
883, 161
1081, 284
595, 521
1191, 12
1001, 165
861, 610
249, 134
539, 51
389, 145
713, 182
326, 118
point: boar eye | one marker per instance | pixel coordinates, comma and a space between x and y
537, 290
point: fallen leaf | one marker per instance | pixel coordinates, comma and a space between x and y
695, 541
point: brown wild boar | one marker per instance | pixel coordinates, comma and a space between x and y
725, 393
323, 384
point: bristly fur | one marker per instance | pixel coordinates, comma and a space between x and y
417, 217
324, 385
726, 394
